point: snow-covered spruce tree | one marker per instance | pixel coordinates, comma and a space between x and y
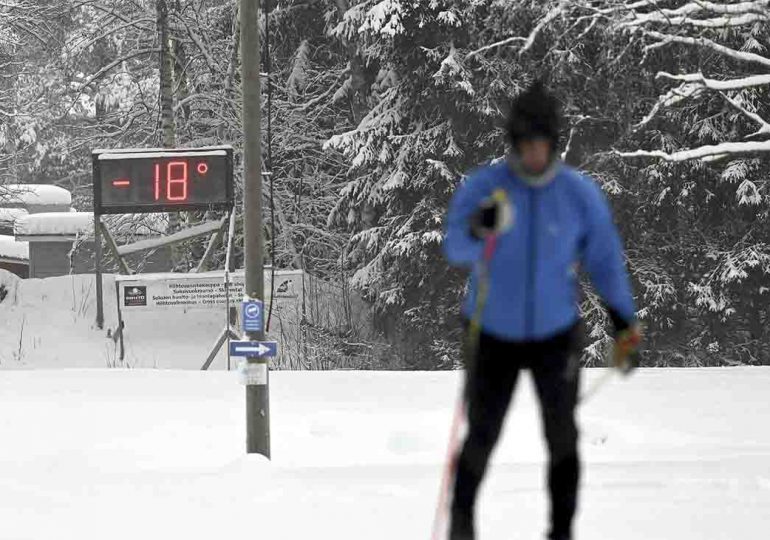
435, 110
30, 37
710, 132
406, 154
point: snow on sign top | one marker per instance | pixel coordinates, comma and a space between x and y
164, 276
13, 250
34, 194
159, 154
55, 224
145, 151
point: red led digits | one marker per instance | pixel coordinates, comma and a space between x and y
157, 181
179, 180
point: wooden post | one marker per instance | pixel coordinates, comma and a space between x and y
124, 269
257, 395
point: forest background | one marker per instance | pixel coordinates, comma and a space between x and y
378, 108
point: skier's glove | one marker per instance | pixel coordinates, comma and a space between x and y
625, 349
493, 217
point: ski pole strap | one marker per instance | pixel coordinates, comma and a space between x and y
489, 248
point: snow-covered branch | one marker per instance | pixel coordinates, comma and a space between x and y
722, 149
764, 127
714, 84
665, 39
716, 22
551, 15
528, 41
701, 24
695, 81
502, 43
672, 97
198, 40
730, 14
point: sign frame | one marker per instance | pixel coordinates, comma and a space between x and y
147, 208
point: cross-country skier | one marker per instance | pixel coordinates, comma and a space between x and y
523, 225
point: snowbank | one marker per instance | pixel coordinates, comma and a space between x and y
50, 323
34, 195
64, 224
12, 250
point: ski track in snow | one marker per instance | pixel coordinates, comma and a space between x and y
147, 453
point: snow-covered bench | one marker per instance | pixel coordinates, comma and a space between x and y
51, 237
14, 256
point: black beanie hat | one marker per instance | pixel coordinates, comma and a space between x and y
534, 113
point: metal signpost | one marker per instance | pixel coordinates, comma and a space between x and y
158, 180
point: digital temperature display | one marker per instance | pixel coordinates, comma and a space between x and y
129, 181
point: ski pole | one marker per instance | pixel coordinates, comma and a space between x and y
471, 348
633, 363
471, 351
596, 386
451, 457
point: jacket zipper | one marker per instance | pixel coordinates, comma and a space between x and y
532, 266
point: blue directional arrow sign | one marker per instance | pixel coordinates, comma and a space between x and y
252, 315
254, 349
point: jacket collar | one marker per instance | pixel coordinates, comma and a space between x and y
538, 180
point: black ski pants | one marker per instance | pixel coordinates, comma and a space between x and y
490, 382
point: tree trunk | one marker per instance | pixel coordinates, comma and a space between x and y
232, 67
180, 64
166, 67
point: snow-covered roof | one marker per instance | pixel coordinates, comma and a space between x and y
9, 215
34, 194
67, 224
11, 249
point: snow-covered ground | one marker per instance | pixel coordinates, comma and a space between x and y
128, 454
51, 324
147, 453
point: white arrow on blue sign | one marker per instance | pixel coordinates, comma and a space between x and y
254, 349
252, 315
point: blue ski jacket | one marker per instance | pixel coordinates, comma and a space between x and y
533, 283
